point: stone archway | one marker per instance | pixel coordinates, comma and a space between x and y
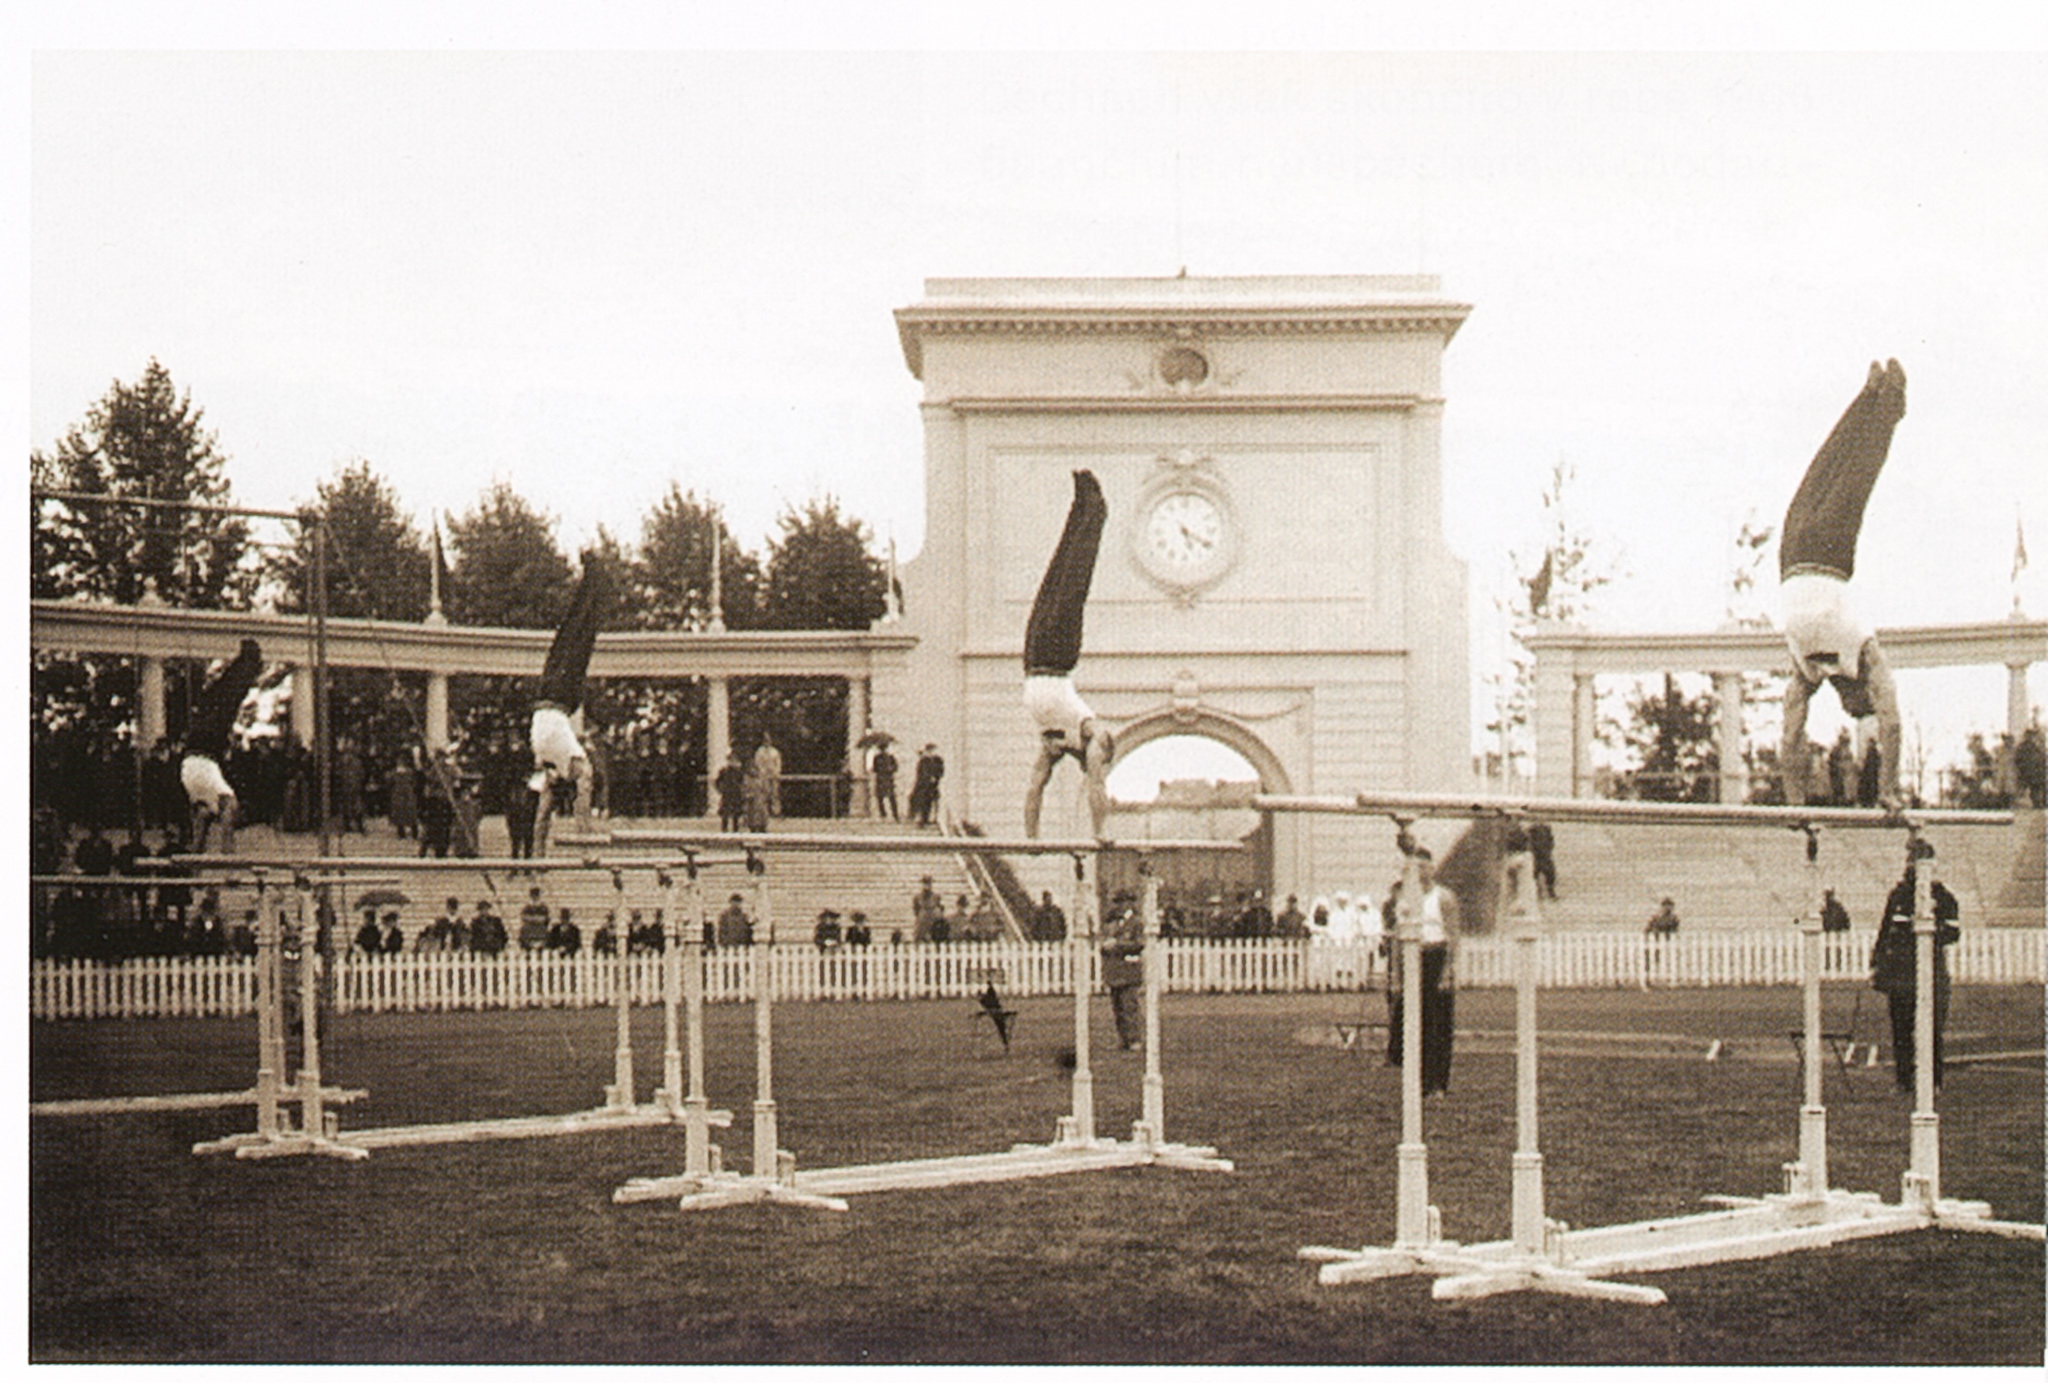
1209, 725
1265, 851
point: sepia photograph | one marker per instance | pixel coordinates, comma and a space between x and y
851, 687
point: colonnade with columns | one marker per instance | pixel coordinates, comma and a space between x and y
1568, 658
154, 634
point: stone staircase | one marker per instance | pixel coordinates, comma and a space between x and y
1612, 875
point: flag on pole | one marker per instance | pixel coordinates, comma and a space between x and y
440, 573
2019, 547
1539, 588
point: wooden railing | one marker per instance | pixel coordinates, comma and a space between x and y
204, 986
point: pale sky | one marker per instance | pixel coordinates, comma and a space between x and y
592, 273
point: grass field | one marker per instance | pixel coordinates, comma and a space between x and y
514, 1252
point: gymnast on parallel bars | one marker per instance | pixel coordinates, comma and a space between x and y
1052, 646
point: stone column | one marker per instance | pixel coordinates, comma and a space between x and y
437, 711
856, 758
717, 731
2016, 700
302, 705
1734, 777
1583, 730
149, 703
1554, 716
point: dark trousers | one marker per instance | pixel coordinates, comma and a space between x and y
1439, 1006
1052, 637
1903, 1050
1826, 513
561, 678
1123, 1006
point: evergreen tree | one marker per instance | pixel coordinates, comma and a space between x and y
142, 440
823, 572
378, 562
674, 567
1673, 737
507, 570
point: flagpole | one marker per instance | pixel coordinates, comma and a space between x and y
2019, 555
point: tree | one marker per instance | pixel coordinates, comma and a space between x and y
1673, 737
507, 570
1562, 579
378, 567
141, 441
378, 562
822, 572
674, 567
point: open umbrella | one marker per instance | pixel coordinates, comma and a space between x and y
381, 898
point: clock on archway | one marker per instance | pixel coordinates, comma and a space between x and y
1186, 536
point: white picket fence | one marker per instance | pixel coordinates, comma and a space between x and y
202, 986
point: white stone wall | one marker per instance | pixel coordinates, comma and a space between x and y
1335, 641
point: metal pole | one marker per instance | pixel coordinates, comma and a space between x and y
312, 1114
1081, 943
1812, 1175
619, 1095
766, 1141
1922, 1183
1411, 1211
1526, 920
1154, 1103
690, 965
270, 1055
322, 727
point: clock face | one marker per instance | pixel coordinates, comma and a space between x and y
1184, 531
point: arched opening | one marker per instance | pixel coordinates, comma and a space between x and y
1193, 778
1173, 761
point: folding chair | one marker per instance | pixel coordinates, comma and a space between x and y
1841, 1041
990, 1006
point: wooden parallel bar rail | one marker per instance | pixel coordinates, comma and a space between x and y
1421, 804
341, 866
912, 845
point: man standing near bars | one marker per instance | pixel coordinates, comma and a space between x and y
1816, 558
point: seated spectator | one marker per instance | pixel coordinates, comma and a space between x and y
605, 940
1833, 916
487, 933
1048, 923
439, 934
205, 935
986, 924
369, 939
533, 922
735, 928
1664, 921
241, 937
393, 939
857, 933
565, 937
826, 933
1291, 924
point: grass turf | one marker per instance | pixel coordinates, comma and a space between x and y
140, 1251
